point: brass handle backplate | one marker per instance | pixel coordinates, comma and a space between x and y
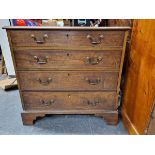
93, 60
93, 102
47, 103
44, 82
43, 40
93, 81
94, 41
41, 60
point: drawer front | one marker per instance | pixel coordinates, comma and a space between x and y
33, 59
96, 39
71, 80
70, 100
41, 38
66, 39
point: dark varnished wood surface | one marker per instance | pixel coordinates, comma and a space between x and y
110, 116
67, 39
70, 100
67, 51
68, 80
57, 59
121, 28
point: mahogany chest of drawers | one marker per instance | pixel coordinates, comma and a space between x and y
68, 70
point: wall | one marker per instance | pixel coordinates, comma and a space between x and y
139, 90
5, 47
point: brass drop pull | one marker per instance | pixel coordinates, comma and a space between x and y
93, 60
47, 103
41, 60
44, 82
94, 102
93, 41
45, 36
93, 81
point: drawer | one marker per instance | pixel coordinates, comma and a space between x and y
41, 38
96, 39
51, 59
70, 100
71, 80
66, 39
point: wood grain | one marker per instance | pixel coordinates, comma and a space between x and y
68, 81
68, 59
67, 39
140, 82
70, 100
114, 28
110, 117
110, 60
120, 22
